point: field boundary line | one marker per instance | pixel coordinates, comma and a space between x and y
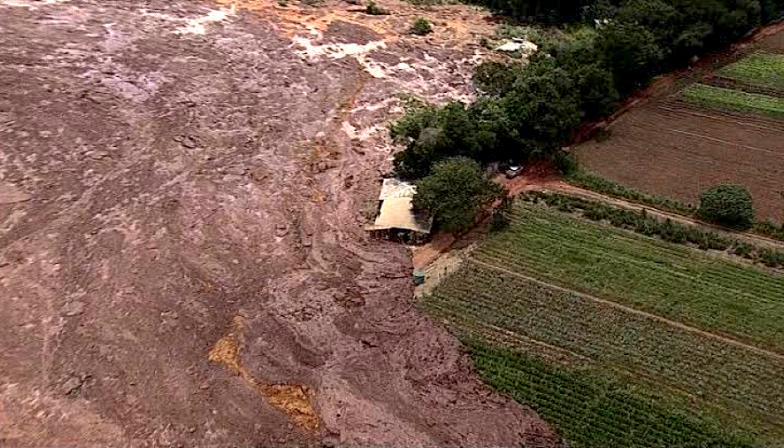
573, 190
722, 118
676, 324
707, 137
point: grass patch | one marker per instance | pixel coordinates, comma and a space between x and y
599, 184
667, 230
758, 69
734, 100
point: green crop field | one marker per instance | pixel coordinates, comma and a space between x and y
758, 69
734, 100
592, 411
673, 281
672, 385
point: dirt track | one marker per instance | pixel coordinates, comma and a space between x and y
181, 254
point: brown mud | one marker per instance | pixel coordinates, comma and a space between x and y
182, 260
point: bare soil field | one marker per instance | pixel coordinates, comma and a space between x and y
182, 261
673, 149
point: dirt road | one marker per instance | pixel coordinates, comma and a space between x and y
181, 254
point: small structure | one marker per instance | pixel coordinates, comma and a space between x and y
396, 218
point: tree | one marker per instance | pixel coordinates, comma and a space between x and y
495, 78
432, 134
455, 193
542, 108
660, 18
598, 95
631, 53
729, 205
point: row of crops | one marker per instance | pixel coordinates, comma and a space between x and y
604, 374
674, 281
734, 100
593, 412
759, 71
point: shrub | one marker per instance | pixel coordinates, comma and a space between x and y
728, 205
566, 163
742, 249
771, 258
769, 229
374, 10
421, 27
495, 78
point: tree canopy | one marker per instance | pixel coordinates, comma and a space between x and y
729, 205
456, 192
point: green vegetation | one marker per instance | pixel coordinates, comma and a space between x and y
591, 411
421, 27
607, 375
758, 69
592, 182
674, 281
734, 100
728, 205
685, 371
769, 229
599, 184
580, 73
643, 223
373, 9
455, 193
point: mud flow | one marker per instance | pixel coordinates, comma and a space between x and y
182, 261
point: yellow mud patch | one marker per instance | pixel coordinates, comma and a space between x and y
292, 399
457, 24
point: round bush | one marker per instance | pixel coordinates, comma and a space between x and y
728, 205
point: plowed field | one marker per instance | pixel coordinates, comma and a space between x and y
671, 148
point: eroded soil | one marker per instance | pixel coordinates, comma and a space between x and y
182, 261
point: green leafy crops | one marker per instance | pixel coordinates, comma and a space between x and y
672, 281
592, 412
759, 69
735, 100
660, 383
726, 379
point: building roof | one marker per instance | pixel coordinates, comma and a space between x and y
396, 188
397, 211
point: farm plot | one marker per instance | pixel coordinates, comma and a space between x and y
676, 150
669, 280
734, 100
758, 69
591, 411
664, 383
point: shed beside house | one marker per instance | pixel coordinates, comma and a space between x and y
396, 218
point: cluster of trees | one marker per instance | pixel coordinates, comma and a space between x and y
532, 110
687, 19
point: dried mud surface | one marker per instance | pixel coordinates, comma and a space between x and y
182, 261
